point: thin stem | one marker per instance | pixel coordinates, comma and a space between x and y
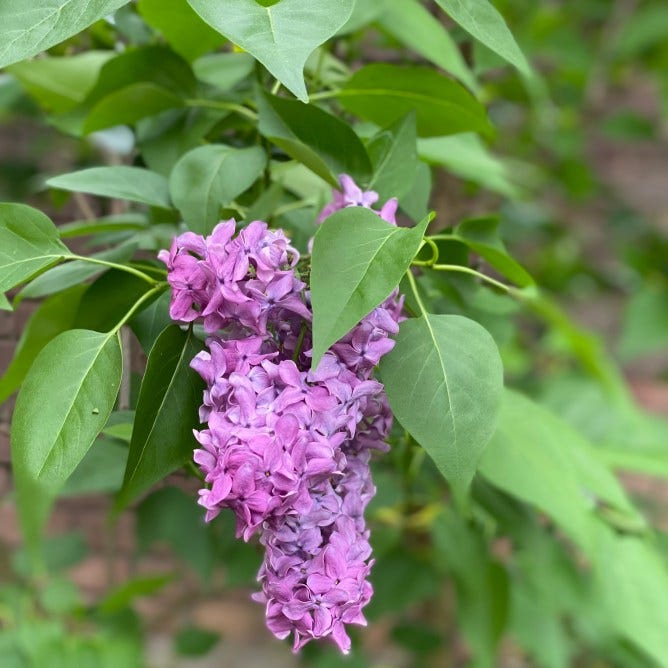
223, 106
472, 272
135, 307
114, 265
292, 206
414, 288
324, 95
434, 254
300, 341
276, 87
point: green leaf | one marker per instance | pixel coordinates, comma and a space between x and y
280, 36
415, 202
75, 272
100, 471
481, 236
193, 641
443, 380
131, 78
393, 154
127, 105
120, 182
28, 27
382, 93
52, 317
109, 298
539, 459
224, 70
165, 138
167, 412
317, 139
209, 177
28, 243
410, 23
149, 323
59, 84
63, 404
466, 156
116, 223
358, 259
481, 20
170, 516
181, 27
4, 306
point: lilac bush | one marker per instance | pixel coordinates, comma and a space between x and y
286, 447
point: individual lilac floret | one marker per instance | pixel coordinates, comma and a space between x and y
350, 194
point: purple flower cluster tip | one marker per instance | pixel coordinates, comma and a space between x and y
285, 447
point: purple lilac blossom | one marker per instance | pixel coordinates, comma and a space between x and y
286, 448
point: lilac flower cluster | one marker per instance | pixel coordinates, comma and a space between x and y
286, 448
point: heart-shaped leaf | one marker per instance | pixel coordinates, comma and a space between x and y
443, 380
29, 242
30, 26
358, 259
282, 35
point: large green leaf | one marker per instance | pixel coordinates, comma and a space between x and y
322, 142
466, 156
59, 84
52, 317
28, 243
209, 177
358, 259
75, 272
30, 26
281, 36
381, 93
181, 27
63, 405
393, 153
540, 459
120, 182
443, 380
482, 237
137, 83
167, 412
411, 23
482, 20
127, 105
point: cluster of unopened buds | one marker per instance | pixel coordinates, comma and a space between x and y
286, 447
